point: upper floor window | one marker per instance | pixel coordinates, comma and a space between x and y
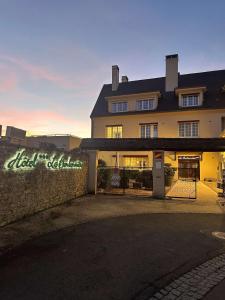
119, 107
149, 130
188, 129
114, 132
147, 104
190, 100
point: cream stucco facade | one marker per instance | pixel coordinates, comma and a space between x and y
174, 106
168, 127
209, 123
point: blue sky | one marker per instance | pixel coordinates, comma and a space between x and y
56, 55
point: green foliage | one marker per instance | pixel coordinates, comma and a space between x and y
104, 175
169, 174
101, 163
145, 177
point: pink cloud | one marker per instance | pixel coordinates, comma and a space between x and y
43, 121
8, 81
39, 72
8, 84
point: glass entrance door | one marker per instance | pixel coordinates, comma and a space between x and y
188, 167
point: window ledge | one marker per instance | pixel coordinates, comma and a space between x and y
188, 137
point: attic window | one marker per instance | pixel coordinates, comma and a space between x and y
190, 100
147, 104
119, 107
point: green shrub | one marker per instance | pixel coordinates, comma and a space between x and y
104, 174
169, 174
145, 177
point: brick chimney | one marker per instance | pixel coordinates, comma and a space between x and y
115, 77
171, 72
125, 79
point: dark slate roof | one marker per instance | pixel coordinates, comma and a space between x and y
166, 144
214, 98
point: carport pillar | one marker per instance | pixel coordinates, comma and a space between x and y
92, 171
158, 175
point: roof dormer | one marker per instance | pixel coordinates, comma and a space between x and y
190, 97
133, 102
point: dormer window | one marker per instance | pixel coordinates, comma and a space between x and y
134, 102
190, 100
147, 104
119, 107
190, 96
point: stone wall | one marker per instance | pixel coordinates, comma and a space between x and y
26, 192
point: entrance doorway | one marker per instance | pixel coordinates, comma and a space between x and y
188, 167
188, 175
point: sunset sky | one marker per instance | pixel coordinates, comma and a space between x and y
55, 55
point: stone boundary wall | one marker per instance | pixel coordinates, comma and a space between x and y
24, 193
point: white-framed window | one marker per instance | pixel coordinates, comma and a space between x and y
119, 107
149, 130
188, 129
114, 132
190, 100
147, 104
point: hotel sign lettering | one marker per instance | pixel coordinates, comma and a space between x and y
22, 161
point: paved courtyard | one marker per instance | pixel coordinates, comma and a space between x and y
92, 208
108, 247
196, 283
191, 189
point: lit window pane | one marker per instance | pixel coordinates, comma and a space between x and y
114, 132
136, 162
119, 132
109, 132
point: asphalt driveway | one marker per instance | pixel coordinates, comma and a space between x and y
125, 257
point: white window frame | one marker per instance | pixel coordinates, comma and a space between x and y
188, 129
149, 130
145, 104
190, 100
119, 107
115, 132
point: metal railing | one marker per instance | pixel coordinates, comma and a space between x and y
123, 180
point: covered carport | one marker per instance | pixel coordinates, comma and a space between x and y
168, 147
